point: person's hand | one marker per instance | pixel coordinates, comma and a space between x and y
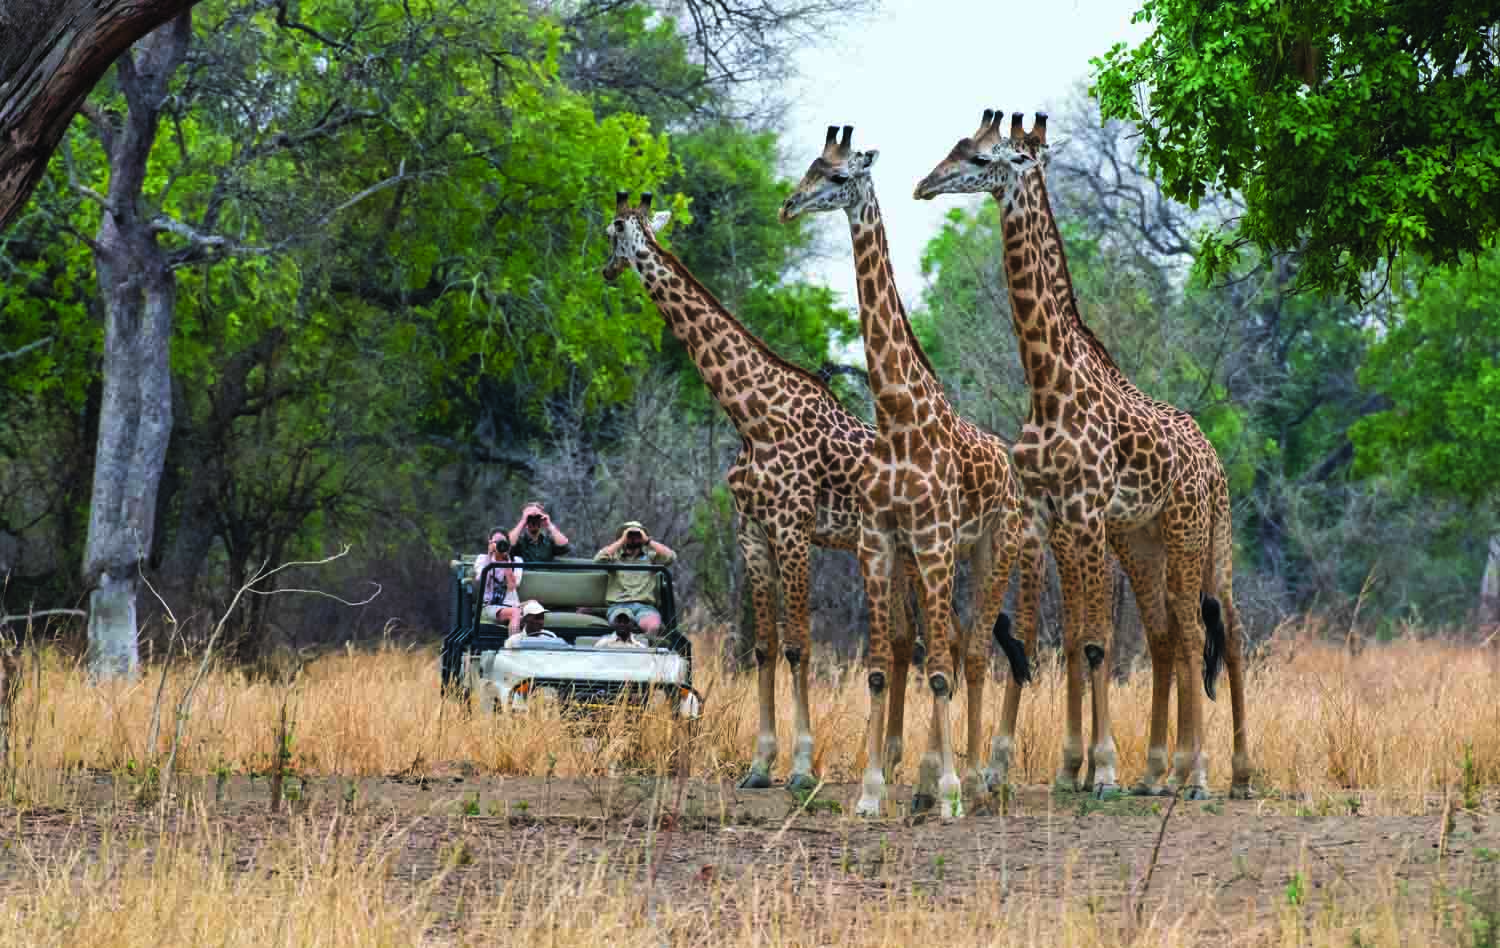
546, 520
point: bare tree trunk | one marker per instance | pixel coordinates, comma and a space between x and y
138, 291
1489, 587
52, 52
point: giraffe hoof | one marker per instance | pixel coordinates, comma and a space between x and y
922, 802
1241, 793
801, 783
1144, 789
1196, 793
993, 780
1107, 791
756, 780
1064, 785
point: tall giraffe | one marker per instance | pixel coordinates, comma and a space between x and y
794, 481
935, 487
1104, 464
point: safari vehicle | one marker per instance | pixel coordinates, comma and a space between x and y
476, 663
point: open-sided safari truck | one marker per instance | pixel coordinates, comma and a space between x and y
476, 663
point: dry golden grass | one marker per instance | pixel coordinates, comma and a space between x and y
334, 881
1398, 718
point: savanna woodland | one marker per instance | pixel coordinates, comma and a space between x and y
319, 283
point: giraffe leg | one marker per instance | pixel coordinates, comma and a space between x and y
1096, 646
1220, 600
877, 562
1002, 746
991, 579
792, 567
1070, 571
936, 568
1184, 581
924, 797
901, 655
760, 566
1143, 558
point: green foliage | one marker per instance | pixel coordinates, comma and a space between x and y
1439, 367
1395, 147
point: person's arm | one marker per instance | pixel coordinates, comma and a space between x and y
515, 531
513, 574
664, 554
612, 551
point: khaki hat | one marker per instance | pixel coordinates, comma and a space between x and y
633, 525
533, 608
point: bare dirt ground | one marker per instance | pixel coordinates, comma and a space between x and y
1241, 858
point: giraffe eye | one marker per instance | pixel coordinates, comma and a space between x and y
839, 177
980, 160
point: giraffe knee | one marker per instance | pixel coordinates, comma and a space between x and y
793, 656
761, 655
1094, 654
939, 684
877, 682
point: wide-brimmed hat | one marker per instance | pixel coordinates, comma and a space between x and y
633, 525
533, 608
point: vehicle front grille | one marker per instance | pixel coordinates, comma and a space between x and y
594, 692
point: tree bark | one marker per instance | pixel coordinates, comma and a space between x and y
1489, 587
52, 52
138, 291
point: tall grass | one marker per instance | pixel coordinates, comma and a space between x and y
1402, 718
328, 881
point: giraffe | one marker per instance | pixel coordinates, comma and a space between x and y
794, 481
1104, 464
935, 487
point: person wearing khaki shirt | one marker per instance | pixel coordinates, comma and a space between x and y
633, 593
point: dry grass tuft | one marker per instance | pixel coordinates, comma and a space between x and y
1404, 720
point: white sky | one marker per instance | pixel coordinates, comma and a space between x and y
914, 79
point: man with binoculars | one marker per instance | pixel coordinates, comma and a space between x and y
535, 538
634, 592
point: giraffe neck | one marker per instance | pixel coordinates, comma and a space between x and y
900, 374
1077, 341
733, 362
1056, 346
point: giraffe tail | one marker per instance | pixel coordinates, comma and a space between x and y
1014, 649
1214, 644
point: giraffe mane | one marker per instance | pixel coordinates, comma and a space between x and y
885, 261
1070, 301
680, 268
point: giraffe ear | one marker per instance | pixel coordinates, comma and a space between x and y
659, 220
866, 159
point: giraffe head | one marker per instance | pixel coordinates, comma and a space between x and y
989, 160
838, 178
631, 234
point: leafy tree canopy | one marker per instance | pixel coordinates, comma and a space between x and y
1440, 369
1355, 130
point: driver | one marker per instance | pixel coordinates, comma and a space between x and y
533, 616
625, 635
633, 592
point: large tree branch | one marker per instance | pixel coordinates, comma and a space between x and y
52, 55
